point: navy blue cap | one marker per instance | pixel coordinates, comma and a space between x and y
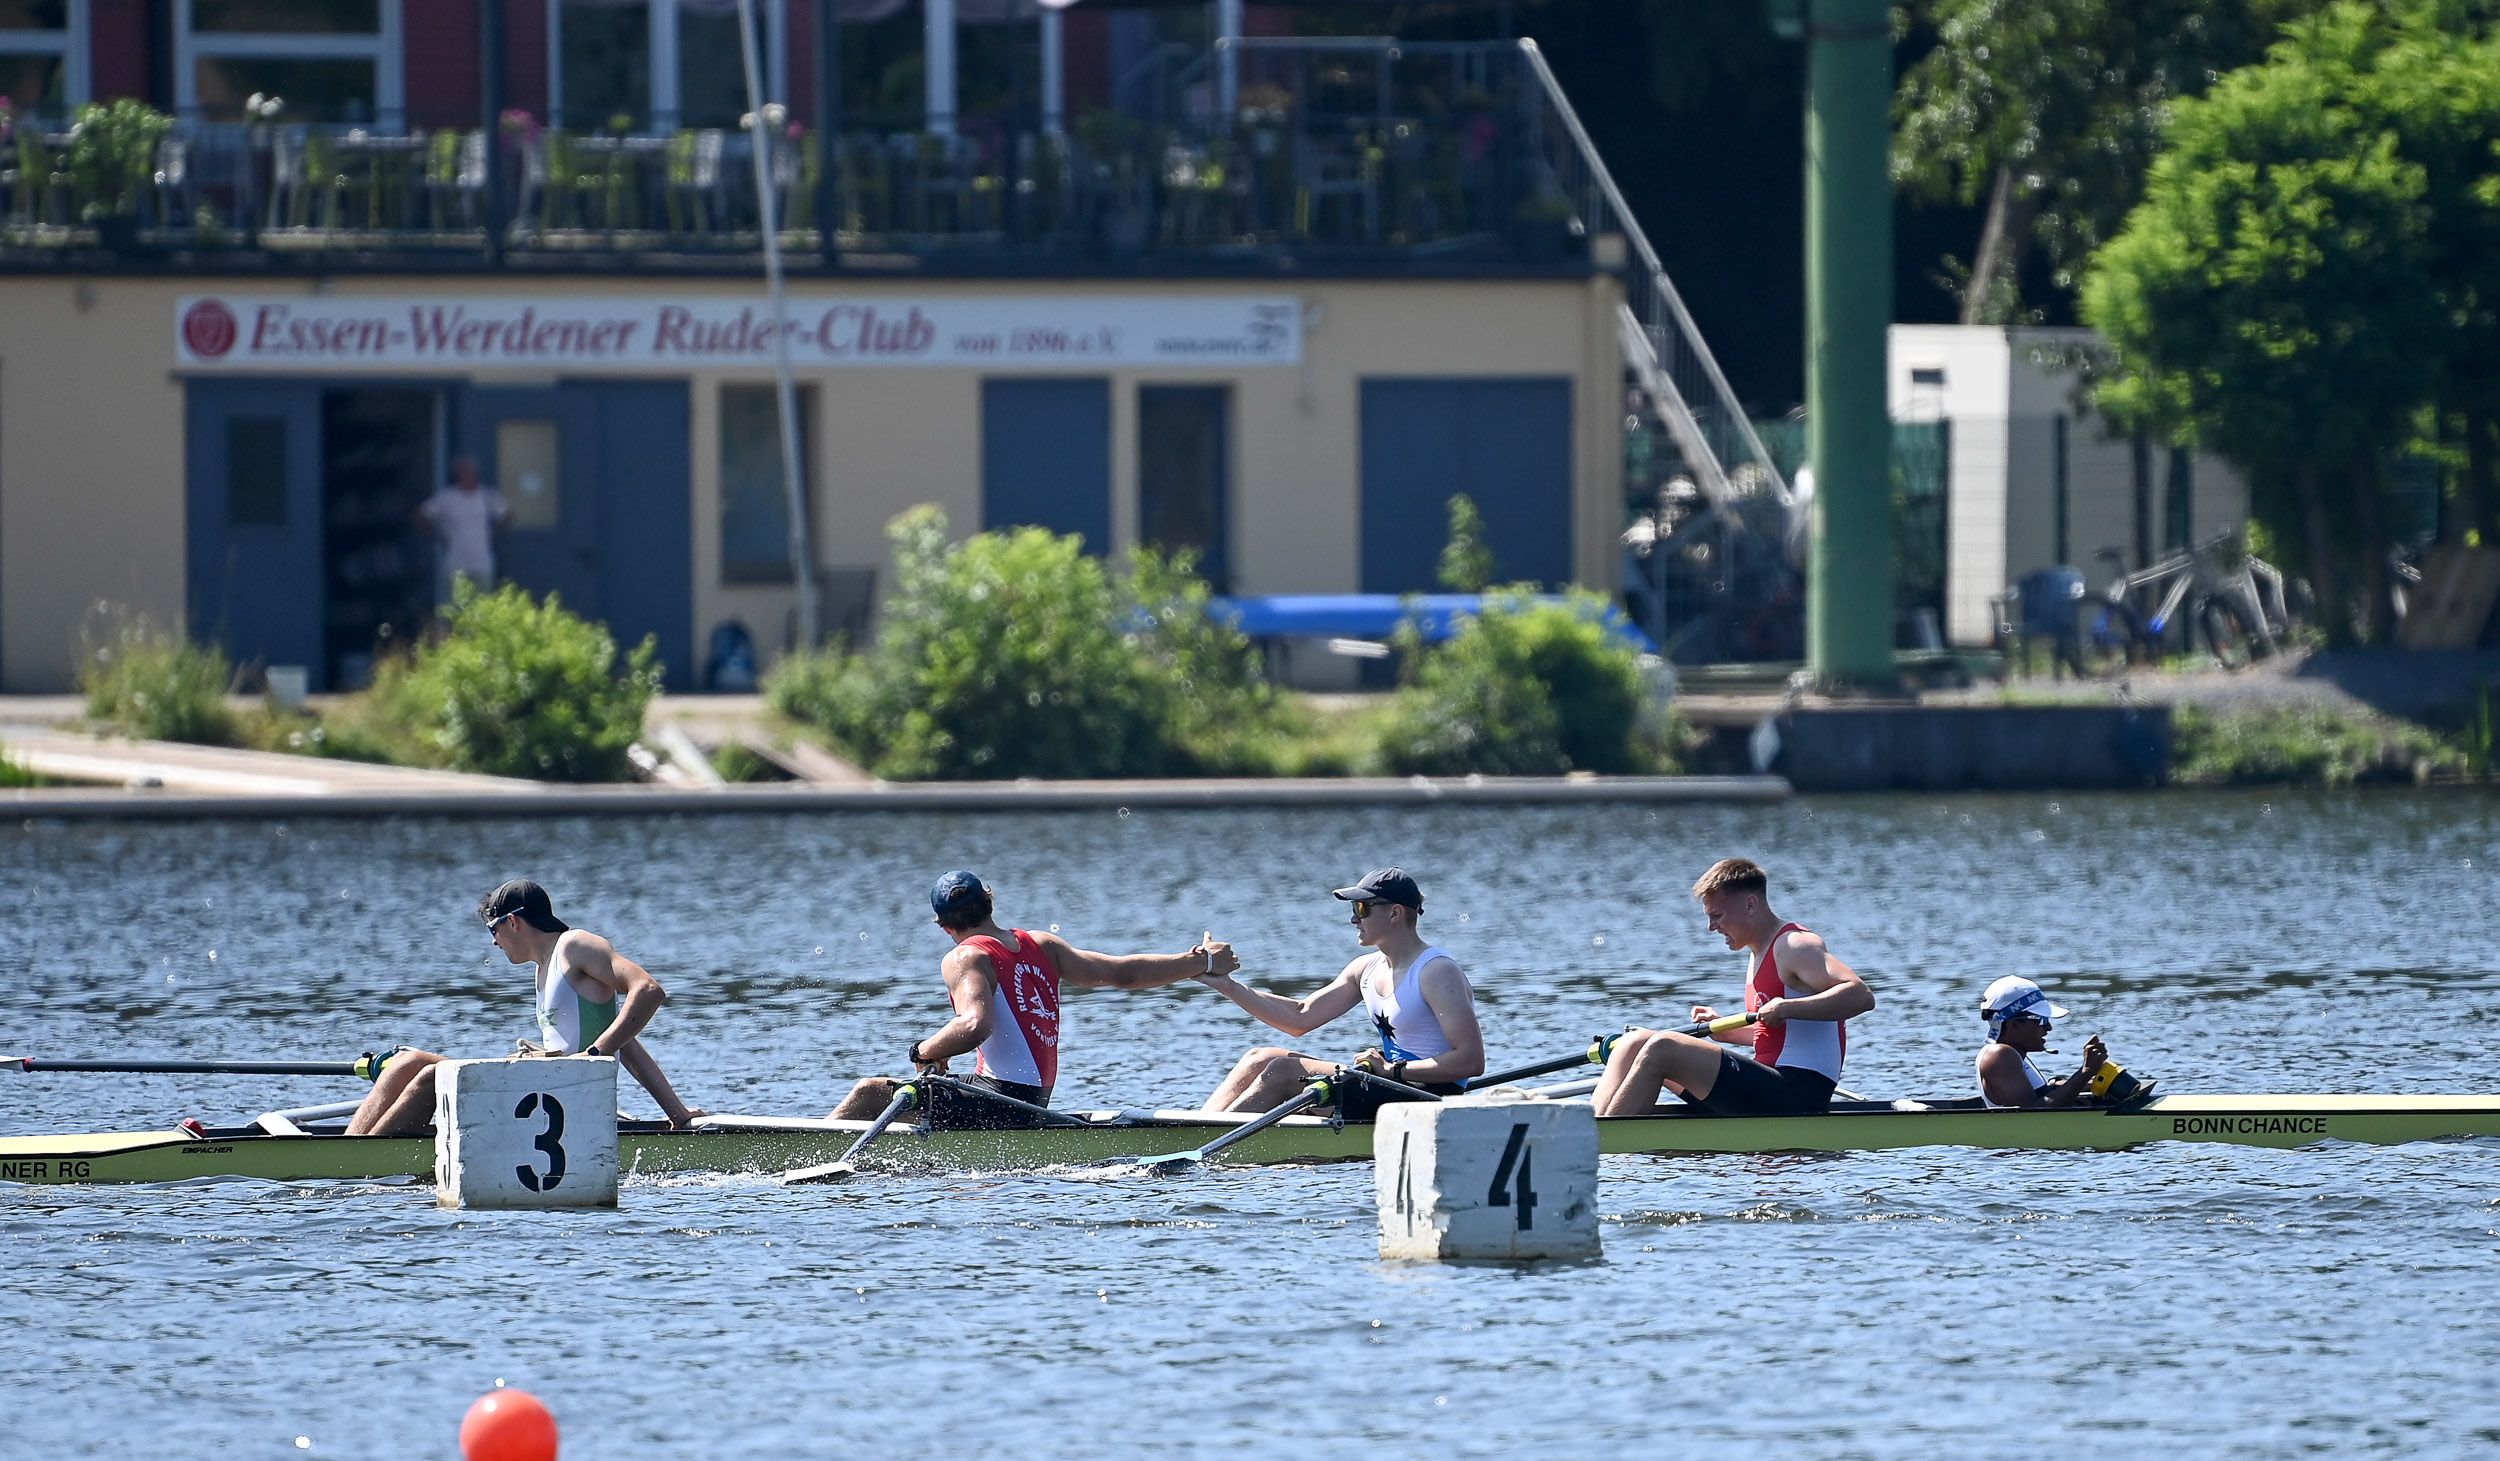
955, 893
1388, 885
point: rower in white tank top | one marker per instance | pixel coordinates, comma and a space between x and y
1408, 1028
570, 1012
2031, 1073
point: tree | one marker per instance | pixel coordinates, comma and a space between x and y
2271, 297
1466, 561
2052, 110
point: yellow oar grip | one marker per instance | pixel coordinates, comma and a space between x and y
1725, 1023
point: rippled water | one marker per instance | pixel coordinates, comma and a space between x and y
2184, 1300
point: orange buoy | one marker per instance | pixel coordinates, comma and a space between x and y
508, 1425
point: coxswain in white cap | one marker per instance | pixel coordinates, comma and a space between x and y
2019, 1016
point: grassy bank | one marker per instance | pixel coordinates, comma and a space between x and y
2322, 745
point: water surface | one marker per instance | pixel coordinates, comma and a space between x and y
2207, 1301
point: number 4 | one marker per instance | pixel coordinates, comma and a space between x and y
1515, 1154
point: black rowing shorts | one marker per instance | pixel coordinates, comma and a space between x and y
954, 1110
1360, 1101
1747, 1087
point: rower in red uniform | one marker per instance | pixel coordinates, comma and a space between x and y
1801, 998
1004, 985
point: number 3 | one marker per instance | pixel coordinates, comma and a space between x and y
550, 1141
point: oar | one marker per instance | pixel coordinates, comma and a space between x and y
1600, 1048
364, 1067
906, 1096
1321, 1092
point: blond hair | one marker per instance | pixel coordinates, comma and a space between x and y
1734, 875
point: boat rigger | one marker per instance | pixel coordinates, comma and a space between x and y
773, 1145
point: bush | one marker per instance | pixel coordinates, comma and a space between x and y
1001, 656
1528, 687
2300, 746
155, 684
14, 774
516, 688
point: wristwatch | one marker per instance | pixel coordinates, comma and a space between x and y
917, 1058
1397, 1073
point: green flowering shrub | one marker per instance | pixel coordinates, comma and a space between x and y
155, 684
1528, 687
1000, 656
517, 687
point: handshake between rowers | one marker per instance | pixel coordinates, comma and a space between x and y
1003, 985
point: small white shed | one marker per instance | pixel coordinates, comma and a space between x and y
2036, 478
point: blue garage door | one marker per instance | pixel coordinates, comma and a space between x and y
599, 477
254, 520
1504, 442
1046, 457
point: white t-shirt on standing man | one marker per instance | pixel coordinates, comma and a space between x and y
466, 523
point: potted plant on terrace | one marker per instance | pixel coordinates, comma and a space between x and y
112, 160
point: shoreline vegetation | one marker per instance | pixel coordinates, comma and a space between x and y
1014, 655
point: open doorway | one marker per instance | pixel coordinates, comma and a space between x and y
379, 460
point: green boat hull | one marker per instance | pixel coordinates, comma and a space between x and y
2267, 1121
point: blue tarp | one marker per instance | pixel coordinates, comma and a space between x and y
1375, 616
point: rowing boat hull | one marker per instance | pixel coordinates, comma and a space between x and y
2267, 1121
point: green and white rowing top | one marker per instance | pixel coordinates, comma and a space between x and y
569, 1019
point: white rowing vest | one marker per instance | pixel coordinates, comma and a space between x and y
1408, 1028
568, 1020
2030, 1073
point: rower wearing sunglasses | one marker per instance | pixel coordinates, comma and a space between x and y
1421, 1006
2019, 1016
592, 1000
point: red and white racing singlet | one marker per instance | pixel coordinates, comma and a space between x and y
1023, 1046
1816, 1045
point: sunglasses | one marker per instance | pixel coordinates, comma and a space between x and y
1365, 907
498, 920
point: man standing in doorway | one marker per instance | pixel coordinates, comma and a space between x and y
465, 517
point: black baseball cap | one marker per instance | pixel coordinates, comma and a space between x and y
528, 900
1388, 885
956, 892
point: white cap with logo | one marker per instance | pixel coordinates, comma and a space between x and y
2014, 995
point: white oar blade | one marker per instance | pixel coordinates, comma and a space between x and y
813, 1176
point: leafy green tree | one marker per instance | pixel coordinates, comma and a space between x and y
1528, 687
2272, 296
2051, 111
1466, 561
519, 687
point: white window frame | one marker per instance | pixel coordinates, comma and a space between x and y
384, 47
665, 78
70, 43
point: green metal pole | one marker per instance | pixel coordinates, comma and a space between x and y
1849, 628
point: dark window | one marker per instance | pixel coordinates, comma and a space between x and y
1505, 442
754, 502
315, 89
287, 17
607, 65
256, 472
1182, 470
34, 14
711, 67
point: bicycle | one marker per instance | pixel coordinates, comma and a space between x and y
2230, 599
